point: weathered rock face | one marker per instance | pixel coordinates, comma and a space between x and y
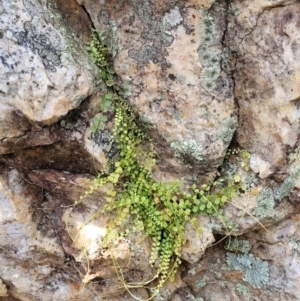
42, 77
154, 41
240, 275
200, 75
264, 38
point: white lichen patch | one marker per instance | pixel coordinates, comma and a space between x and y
188, 148
174, 17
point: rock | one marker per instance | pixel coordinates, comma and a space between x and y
260, 202
202, 76
176, 298
173, 102
197, 240
266, 72
33, 222
66, 146
74, 18
3, 289
83, 228
280, 247
10, 298
24, 238
272, 253
167, 291
42, 77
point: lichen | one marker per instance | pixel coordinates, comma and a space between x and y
126, 90
228, 128
45, 40
243, 290
102, 138
181, 78
109, 37
147, 120
212, 226
296, 245
202, 282
188, 149
238, 245
278, 216
192, 271
209, 75
173, 18
295, 154
265, 203
154, 35
193, 298
288, 184
163, 296
255, 271
222, 283
210, 56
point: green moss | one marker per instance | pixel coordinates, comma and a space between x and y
255, 270
265, 203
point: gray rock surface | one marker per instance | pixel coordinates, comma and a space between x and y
42, 78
